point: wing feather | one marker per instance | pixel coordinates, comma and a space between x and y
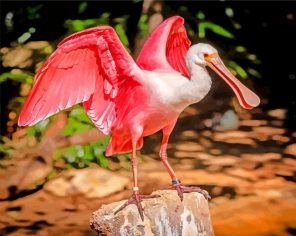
166, 47
77, 72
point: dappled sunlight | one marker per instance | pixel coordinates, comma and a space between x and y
245, 170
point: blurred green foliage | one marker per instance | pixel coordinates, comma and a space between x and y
217, 29
237, 68
205, 26
17, 76
4, 150
119, 24
33, 12
79, 156
143, 25
78, 122
82, 7
78, 25
38, 129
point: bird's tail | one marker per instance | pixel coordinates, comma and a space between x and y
121, 145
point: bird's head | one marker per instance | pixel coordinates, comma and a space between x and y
205, 55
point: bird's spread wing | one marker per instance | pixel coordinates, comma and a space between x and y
86, 63
166, 47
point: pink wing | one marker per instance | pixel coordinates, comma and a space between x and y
166, 47
86, 65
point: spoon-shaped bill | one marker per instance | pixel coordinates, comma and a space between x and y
245, 96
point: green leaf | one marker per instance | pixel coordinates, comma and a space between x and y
82, 7
143, 25
200, 15
236, 25
191, 33
79, 114
78, 25
240, 49
229, 11
59, 153
5, 151
100, 146
31, 131
79, 156
24, 37
99, 149
18, 76
120, 20
104, 142
254, 72
71, 154
217, 29
42, 125
32, 30
75, 126
69, 167
201, 30
15, 103
88, 154
78, 122
5, 139
238, 69
122, 35
48, 50
103, 161
104, 19
33, 12
253, 58
38, 129
105, 16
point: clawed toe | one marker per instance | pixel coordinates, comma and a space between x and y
136, 199
181, 189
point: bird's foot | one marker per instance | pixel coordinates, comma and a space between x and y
176, 184
136, 199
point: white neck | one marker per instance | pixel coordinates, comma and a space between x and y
199, 84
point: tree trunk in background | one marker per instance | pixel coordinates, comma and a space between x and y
154, 20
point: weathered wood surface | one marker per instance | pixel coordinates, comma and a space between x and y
165, 215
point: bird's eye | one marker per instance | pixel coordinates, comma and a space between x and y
206, 54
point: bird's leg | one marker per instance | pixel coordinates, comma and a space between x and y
136, 198
176, 183
164, 159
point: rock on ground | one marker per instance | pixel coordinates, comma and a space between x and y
91, 182
165, 215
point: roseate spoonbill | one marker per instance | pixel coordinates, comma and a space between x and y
126, 99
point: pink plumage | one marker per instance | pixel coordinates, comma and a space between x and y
125, 99
92, 67
166, 47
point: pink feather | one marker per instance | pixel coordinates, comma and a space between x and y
166, 47
76, 72
92, 67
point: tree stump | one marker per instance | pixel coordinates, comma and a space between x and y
165, 215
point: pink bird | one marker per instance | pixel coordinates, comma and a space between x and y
126, 99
